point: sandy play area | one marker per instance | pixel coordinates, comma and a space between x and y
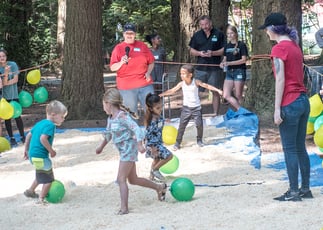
232, 194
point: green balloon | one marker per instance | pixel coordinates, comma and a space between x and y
171, 166
311, 119
17, 109
41, 95
25, 99
318, 122
56, 192
182, 189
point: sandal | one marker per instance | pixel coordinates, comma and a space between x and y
30, 194
42, 202
162, 192
120, 212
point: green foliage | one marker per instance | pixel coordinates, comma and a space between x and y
149, 17
28, 31
43, 27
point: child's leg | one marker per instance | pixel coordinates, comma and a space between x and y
197, 116
33, 186
124, 170
184, 119
44, 191
31, 191
135, 180
154, 163
161, 162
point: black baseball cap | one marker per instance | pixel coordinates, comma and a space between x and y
274, 19
129, 27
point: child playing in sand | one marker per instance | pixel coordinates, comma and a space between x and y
38, 146
154, 145
191, 103
127, 136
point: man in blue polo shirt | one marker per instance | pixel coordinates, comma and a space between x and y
207, 45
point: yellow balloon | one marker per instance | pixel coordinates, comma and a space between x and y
318, 137
6, 109
316, 105
169, 135
310, 128
33, 77
4, 144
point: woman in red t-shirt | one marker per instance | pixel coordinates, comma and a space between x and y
134, 63
291, 104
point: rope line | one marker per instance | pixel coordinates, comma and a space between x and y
32, 68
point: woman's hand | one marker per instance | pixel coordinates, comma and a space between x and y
277, 117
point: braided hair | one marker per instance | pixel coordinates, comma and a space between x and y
114, 97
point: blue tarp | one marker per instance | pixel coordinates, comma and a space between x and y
243, 126
244, 123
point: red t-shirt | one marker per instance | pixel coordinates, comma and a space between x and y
132, 75
291, 54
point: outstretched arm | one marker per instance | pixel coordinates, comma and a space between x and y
207, 86
172, 90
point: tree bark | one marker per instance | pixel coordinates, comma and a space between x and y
185, 15
82, 80
261, 88
61, 18
219, 11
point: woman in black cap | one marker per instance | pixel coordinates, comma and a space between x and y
133, 62
291, 104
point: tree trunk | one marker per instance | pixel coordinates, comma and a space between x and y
61, 18
82, 85
185, 15
219, 11
261, 87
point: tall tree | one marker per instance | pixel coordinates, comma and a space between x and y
261, 88
82, 85
219, 10
61, 18
185, 16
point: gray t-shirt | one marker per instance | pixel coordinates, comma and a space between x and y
10, 92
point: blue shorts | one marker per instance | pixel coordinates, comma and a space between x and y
133, 96
44, 171
236, 75
44, 164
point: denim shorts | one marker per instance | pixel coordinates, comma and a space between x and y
236, 75
131, 97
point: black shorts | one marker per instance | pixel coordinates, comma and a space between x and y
44, 177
